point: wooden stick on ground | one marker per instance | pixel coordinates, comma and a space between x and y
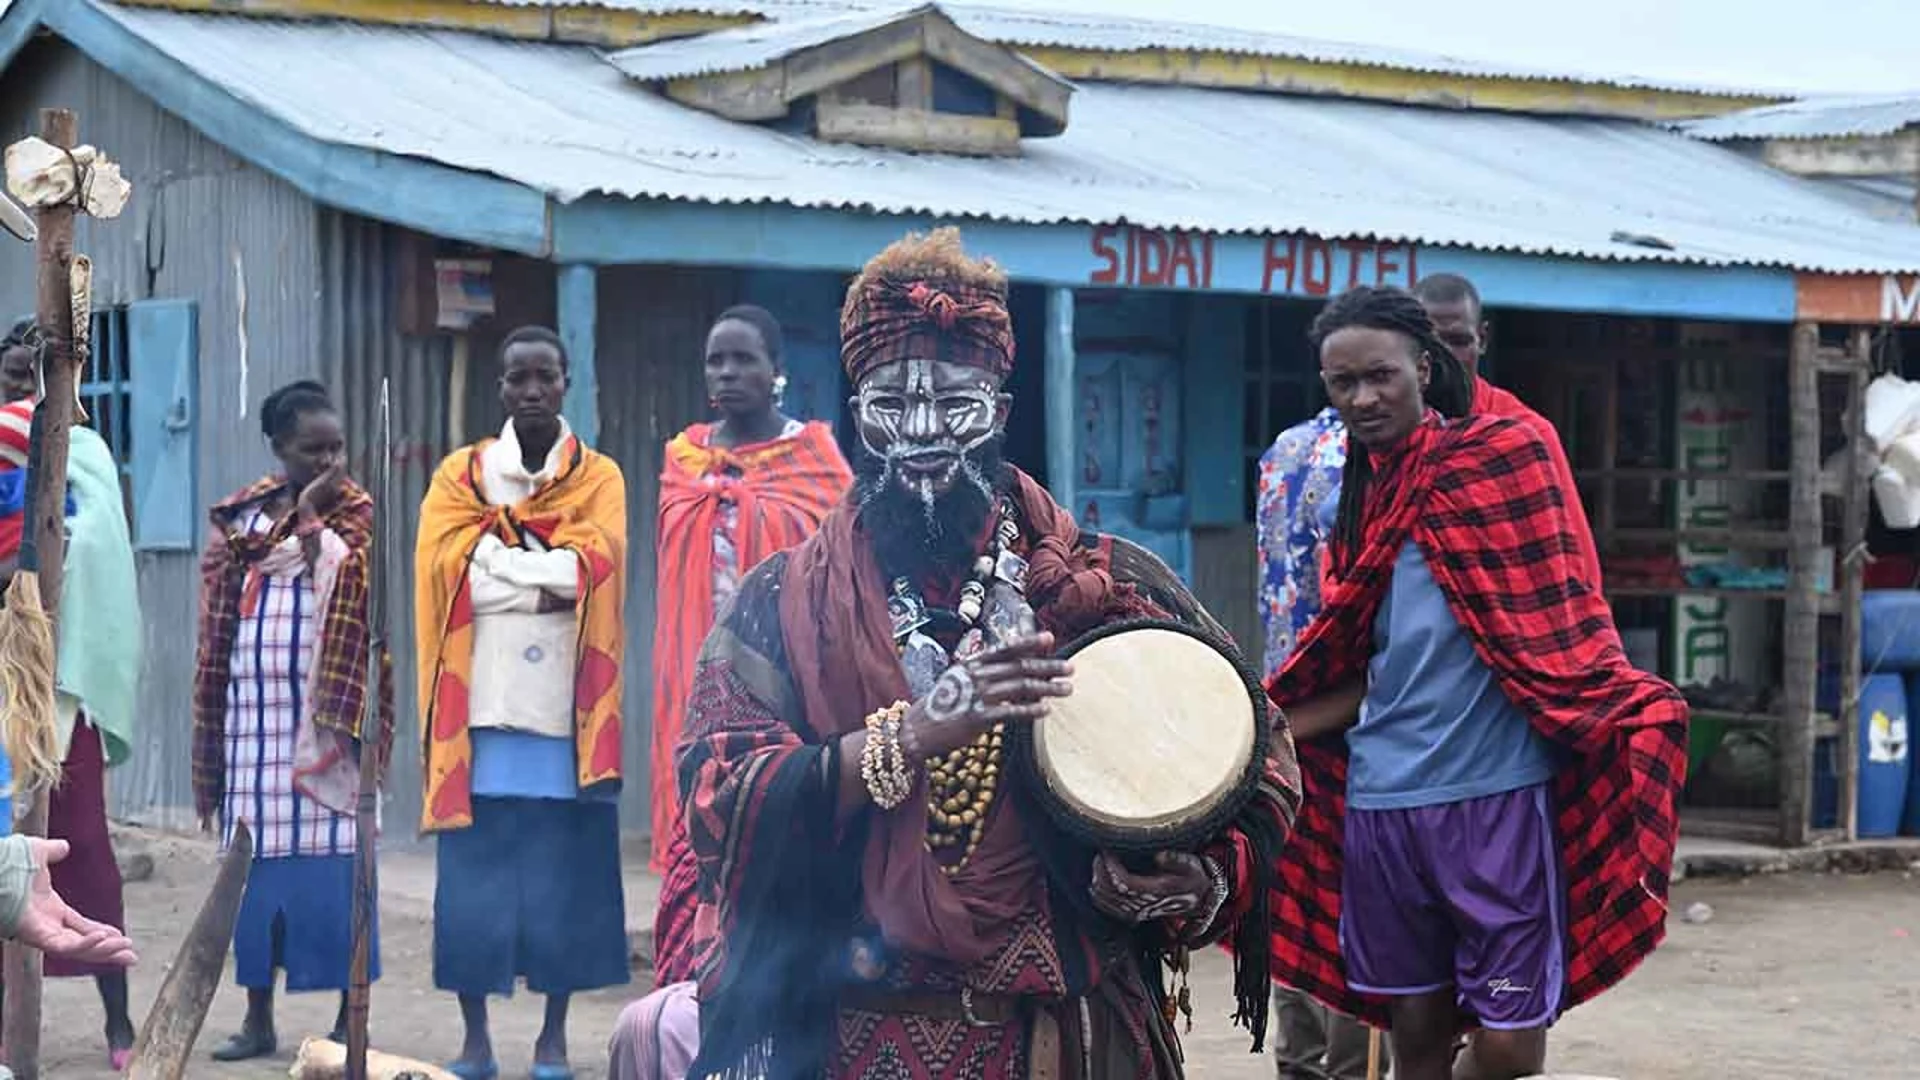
53, 256
180, 1008
1374, 1040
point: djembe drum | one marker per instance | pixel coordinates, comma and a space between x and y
1161, 743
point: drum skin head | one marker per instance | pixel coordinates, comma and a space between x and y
1156, 739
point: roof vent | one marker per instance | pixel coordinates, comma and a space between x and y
905, 80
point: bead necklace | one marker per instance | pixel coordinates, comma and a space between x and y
962, 782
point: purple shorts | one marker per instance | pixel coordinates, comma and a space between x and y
1464, 896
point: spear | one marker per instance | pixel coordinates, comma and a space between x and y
366, 880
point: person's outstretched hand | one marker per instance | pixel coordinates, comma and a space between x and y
49, 925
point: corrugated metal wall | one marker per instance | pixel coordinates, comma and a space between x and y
362, 344
652, 328
652, 338
202, 224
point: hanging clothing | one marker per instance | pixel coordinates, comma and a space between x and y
722, 511
278, 768
1482, 500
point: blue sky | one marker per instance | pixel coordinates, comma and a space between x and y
1827, 46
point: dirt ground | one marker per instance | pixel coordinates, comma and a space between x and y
1793, 977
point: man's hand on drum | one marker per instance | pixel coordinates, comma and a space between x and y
1180, 886
1007, 683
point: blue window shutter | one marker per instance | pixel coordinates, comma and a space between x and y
163, 358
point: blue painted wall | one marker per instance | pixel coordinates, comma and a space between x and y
808, 307
611, 230
1127, 444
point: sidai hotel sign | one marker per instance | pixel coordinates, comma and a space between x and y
1889, 299
1293, 265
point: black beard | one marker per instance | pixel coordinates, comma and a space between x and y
917, 539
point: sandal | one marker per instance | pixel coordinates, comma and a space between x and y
248, 1045
468, 1070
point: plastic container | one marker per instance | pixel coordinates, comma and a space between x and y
1885, 770
1890, 630
1826, 783
1910, 819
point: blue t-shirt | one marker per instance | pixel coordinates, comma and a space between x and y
1435, 726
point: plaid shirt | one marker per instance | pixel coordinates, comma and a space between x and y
1481, 498
340, 681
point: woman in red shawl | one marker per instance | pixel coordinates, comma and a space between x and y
733, 492
1489, 821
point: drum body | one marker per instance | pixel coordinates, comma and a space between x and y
1159, 746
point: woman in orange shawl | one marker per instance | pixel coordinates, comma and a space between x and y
519, 579
732, 493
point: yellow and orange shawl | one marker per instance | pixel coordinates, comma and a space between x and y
583, 509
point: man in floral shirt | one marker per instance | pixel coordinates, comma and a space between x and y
1299, 486
1299, 489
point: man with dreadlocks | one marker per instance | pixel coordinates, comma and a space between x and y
1490, 842
887, 907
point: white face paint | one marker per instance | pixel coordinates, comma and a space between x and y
924, 417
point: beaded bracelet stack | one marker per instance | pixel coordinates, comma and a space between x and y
883, 763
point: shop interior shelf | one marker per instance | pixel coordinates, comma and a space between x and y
1829, 602
1824, 725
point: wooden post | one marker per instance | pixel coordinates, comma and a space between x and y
1610, 444
1801, 656
578, 303
457, 373
1850, 577
1063, 418
53, 259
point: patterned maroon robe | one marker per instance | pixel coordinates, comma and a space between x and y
759, 765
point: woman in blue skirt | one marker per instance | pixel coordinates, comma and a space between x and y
278, 701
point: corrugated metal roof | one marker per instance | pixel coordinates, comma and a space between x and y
1111, 33
749, 48
1068, 30
1814, 118
1889, 198
764, 8
560, 119
791, 29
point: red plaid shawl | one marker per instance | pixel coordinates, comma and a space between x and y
342, 650
1480, 498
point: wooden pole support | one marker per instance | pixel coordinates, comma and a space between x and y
1800, 658
53, 255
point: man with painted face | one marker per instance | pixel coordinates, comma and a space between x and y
1490, 787
888, 908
